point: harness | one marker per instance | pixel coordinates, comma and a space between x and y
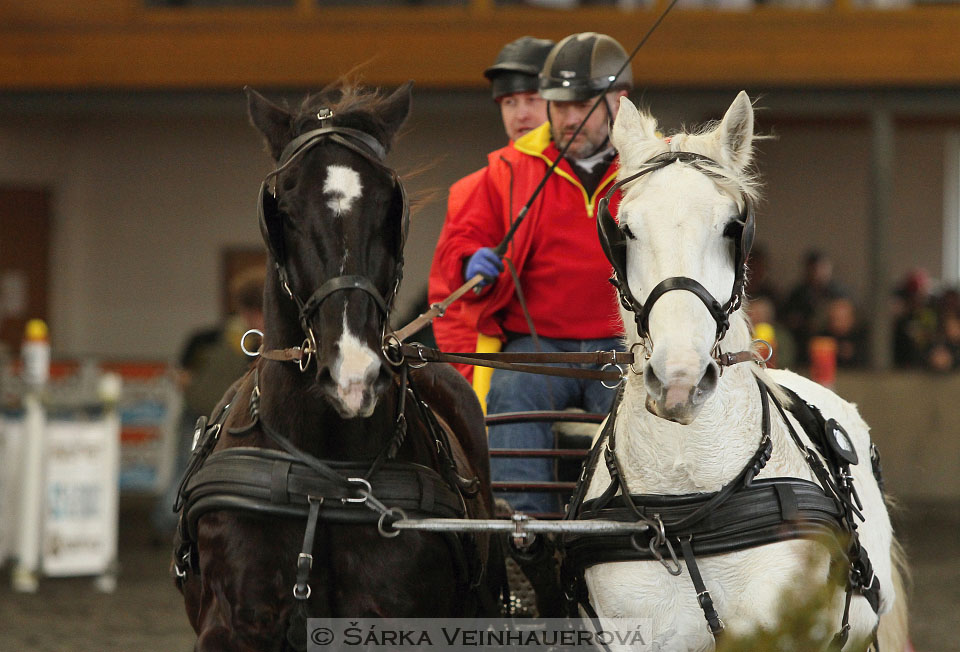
744, 513
290, 483
613, 240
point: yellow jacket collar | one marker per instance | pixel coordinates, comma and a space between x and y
534, 141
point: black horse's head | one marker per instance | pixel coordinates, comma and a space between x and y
334, 224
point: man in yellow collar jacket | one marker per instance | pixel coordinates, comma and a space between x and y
569, 303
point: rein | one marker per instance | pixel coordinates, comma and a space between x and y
621, 361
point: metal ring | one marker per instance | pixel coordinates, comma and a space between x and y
632, 347
367, 490
303, 596
390, 512
764, 359
306, 352
661, 530
243, 340
623, 374
390, 343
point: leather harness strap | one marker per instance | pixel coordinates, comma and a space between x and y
262, 480
533, 363
745, 513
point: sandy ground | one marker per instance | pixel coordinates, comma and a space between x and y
145, 613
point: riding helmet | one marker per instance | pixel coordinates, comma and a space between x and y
517, 66
582, 66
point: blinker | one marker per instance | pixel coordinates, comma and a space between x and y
839, 442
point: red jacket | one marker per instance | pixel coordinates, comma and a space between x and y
563, 272
452, 332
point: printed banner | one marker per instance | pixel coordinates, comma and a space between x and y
80, 525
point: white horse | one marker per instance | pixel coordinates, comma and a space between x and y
682, 427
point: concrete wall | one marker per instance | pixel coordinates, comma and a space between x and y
147, 190
913, 419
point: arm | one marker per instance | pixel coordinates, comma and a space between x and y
476, 223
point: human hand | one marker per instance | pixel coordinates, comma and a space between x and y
485, 262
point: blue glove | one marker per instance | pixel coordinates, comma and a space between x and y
485, 262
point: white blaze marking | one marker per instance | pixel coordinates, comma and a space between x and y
343, 185
355, 368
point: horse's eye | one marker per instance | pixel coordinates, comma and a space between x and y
627, 232
289, 183
733, 229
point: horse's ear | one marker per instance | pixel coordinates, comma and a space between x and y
632, 132
270, 120
396, 108
736, 133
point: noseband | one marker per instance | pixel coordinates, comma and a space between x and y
613, 239
271, 222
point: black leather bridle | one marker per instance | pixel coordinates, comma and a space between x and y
271, 222
613, 239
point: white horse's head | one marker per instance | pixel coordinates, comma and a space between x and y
684, 220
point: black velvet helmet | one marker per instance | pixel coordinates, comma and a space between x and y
581, 66
517, 66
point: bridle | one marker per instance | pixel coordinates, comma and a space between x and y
271, 226
613, 239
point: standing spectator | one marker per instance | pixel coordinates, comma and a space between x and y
763, 317
513, 84
944, 353
805, 310
915, 325
848, 332
211, 361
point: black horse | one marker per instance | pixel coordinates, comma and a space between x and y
296, 479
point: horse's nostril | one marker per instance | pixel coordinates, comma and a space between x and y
708, 383
652, 383
324, 377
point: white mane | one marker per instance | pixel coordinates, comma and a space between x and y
638, 145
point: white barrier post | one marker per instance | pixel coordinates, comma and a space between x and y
36, 371
109, 392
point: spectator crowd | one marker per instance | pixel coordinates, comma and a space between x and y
926, 321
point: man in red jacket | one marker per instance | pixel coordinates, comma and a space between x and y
556, 253
513, 82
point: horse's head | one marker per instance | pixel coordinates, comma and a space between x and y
685, 227
334, 225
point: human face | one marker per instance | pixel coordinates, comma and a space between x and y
566, 117
522, 112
